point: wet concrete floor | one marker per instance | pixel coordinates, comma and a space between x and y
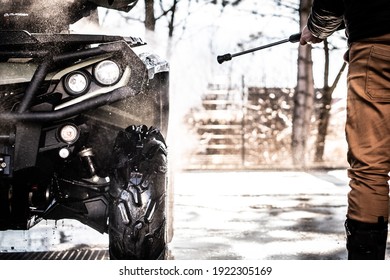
260, 215
243, 215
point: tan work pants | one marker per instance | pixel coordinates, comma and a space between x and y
368, 129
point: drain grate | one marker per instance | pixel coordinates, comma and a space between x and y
79, 254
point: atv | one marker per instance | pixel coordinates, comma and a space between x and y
83, 123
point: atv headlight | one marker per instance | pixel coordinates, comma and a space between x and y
76, 82
107, 72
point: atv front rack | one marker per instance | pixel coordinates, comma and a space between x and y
25, 40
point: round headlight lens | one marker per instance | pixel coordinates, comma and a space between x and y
107, 72
77, 83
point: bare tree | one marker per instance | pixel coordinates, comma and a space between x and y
169, 13
325, 105
150, 18
304, 95
166, 12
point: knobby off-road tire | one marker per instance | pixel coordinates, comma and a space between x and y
137, 214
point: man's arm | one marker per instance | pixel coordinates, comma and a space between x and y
325, 18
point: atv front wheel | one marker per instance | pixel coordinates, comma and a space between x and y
137, 214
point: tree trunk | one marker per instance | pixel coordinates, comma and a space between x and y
323, 123
172, 19
323, 117
304, 96
150, 19
326, 101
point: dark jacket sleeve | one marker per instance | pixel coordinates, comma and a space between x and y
326, 17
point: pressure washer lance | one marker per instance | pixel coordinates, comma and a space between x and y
292, 39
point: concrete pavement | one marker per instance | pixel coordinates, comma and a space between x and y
260, 215
249, 215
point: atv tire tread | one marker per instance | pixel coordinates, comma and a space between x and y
137, 219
